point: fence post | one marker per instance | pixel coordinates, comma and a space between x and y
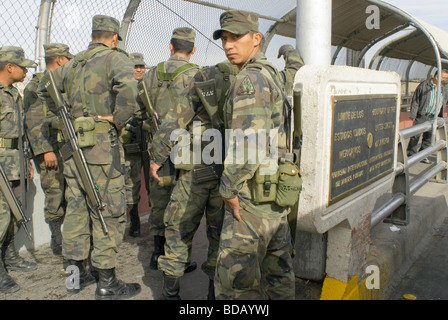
401, 185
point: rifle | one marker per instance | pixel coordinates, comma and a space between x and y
72, 149
13, 202
167, 169
144, 96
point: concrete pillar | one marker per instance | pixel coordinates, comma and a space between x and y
314, 31
314, 44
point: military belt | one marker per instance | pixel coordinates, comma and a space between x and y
102, 127
9, 143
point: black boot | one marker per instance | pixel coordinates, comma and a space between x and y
85, 277
56, 236
7, 284
110, 288
191, 267
134, 230
211, 290
159, 243
13, 261
171, 288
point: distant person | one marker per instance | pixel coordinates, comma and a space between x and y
134, 143
44, 144
423, 108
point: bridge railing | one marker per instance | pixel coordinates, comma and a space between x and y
397, 209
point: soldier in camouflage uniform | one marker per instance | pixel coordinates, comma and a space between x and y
190, 198
109, 98
44, 144
254, 260
192, 195
13, 69
165, 83
134, 142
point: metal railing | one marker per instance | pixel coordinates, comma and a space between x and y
397, 210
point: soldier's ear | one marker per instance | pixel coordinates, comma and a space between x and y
257, 37
194, 50
171, 49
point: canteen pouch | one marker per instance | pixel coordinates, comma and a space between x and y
85, 129
289, 184
264, 186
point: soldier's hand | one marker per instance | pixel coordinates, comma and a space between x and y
30, 172
51, 161
234, 205
283, 49
111, 120
153, 168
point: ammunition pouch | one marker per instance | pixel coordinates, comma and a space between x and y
264, 186
282, 187
208, 173
85, 129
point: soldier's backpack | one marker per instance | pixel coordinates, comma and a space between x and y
168, 78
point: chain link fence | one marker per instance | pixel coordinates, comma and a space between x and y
18, 27
150, 27
71, 20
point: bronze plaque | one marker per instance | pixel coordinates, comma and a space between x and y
362, 142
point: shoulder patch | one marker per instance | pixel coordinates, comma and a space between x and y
246, 87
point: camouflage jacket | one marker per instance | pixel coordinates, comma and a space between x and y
10, 103
160, 90
38, 118
110, 89
190, 108
293, 62
254, 105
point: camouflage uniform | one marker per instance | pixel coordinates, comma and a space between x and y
163, 96
190, 199
134, 143
254, 260
110, 88
11, 117
43, 139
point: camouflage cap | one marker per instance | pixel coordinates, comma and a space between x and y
237, 22
184, 33
137, 59
106, 23
16, 55
57, 49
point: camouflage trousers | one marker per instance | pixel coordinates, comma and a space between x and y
133, 177
7, 225
53, 184
189, 202
80, 226
254, 261
160, 197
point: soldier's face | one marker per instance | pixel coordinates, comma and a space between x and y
240, 48
18, 73
139, 72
